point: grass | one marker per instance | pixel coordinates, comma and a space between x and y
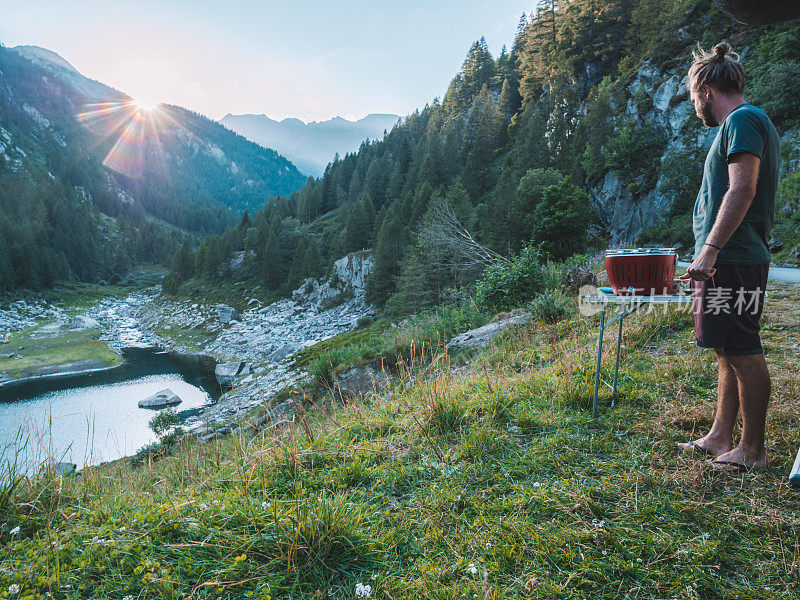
42, 352
416, 341
488, 481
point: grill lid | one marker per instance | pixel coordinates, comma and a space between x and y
641, 251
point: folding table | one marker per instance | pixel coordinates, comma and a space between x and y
626, 304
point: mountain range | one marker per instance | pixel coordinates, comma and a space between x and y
311, 146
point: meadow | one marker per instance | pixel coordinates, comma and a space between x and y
475, 477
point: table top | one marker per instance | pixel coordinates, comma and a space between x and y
611, 298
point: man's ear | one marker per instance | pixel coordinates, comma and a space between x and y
706, 92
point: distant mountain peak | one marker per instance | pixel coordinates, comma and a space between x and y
311, 146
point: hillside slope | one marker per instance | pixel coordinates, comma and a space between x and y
90, 183
311, 146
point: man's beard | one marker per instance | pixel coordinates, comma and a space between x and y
707, 114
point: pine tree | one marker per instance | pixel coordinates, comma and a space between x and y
389, 246
183, 263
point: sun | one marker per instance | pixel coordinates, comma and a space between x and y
145, 105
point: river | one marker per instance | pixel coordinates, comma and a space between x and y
92, 418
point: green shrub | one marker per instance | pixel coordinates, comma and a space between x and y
551, 306
163, 421
510, 285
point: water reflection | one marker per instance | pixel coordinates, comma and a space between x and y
94, 418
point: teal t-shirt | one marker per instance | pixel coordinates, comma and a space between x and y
747, 128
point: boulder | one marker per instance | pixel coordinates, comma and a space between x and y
83, 322
225, 373
481, 336
227, 313
284, 351
62, 468
359, 381
160, 400
280, 414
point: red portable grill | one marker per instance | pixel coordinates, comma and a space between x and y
642, 271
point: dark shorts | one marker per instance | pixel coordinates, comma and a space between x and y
727, 309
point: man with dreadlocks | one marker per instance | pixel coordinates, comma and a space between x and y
732, 218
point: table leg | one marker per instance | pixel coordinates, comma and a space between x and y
616, 364
599, 359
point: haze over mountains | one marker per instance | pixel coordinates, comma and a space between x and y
311, 146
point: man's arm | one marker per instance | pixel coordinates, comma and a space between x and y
743, 177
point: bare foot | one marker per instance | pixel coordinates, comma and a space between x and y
706, 445
744, 458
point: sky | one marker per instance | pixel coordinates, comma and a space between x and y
311, 60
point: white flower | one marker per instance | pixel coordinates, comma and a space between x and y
13, 589
363, 591
14, 531
203, 506
264, 505
638, 560
536, 484
513, 429
472, 569
605, 552
128, 597
374, 576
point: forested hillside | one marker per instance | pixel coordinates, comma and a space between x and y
91, 184
583, 125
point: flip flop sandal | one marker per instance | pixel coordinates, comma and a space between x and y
694, 447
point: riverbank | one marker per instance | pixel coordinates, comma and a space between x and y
493, 481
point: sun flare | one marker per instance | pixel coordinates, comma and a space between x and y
145, 105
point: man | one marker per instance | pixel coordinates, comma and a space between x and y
733, 215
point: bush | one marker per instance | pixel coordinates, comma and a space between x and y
163, 421
551, 306
506, 286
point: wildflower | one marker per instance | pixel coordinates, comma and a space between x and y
264, 505
13, 589
605, 552
472, 569
536, 484
203, 506
128, 597
240, 558
638, 560
14, 531
363, 591
514, 429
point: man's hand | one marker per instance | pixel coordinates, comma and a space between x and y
702, 267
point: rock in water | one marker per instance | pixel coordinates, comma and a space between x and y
83, 322
227, 372
162, 399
